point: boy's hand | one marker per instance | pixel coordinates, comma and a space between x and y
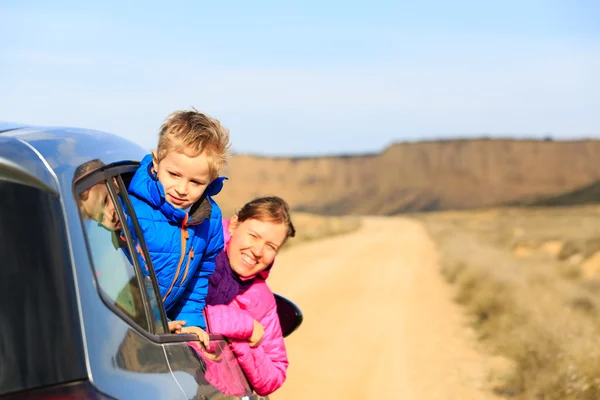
257, 334
201, 333
176, 326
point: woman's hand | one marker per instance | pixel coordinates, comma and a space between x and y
201, 333
257, 334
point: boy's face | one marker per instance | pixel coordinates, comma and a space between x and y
184, 177
100, 207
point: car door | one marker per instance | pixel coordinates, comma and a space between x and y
122, 318
133, 295
37, 290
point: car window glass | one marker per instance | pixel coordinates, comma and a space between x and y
39, 320
220, 357
114, 272
120, 285
153, 295
222, 375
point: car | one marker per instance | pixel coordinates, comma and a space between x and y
79, 319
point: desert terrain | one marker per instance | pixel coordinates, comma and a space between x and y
380, 321
530, 281
481, 304
436, 270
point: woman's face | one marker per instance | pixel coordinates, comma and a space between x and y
253, 245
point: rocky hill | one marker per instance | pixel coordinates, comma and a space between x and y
435, 175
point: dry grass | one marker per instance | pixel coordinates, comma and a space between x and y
312, 227
519, 273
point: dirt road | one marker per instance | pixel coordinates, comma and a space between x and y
379, 319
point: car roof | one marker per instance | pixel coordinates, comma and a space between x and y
50, 155
9, 126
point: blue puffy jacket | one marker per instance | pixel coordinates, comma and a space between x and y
182, 246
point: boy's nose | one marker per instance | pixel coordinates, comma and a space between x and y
109, 212
181, 188
114, 216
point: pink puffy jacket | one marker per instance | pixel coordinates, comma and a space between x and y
264, 365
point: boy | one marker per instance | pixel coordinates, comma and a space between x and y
181, 224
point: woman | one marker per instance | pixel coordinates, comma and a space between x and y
240, 304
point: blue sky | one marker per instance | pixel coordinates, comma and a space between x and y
307, 78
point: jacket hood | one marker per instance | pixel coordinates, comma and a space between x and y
145, 185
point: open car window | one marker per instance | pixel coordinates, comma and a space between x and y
126, 288
127, 283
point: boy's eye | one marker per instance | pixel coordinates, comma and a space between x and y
173, 174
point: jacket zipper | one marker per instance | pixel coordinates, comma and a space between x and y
184, 237
190, 258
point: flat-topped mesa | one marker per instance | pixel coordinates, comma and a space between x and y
417, 176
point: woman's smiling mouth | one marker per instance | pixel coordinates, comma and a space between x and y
248, 261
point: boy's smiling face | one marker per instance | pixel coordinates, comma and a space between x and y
99, 206
184, 177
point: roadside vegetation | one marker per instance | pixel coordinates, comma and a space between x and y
589, 194
312, 227
530, 279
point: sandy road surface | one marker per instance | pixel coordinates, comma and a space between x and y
379, 320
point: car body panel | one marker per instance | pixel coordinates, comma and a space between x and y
21, 163
202, 375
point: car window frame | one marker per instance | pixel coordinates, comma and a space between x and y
104, 175
116, 173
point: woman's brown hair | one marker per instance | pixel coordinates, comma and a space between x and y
272, 209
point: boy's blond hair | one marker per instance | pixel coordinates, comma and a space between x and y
193, 132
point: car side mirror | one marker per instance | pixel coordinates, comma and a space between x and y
290, 316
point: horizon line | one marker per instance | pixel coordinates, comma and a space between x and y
346, 154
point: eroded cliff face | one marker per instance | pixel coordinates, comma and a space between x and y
406, 177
